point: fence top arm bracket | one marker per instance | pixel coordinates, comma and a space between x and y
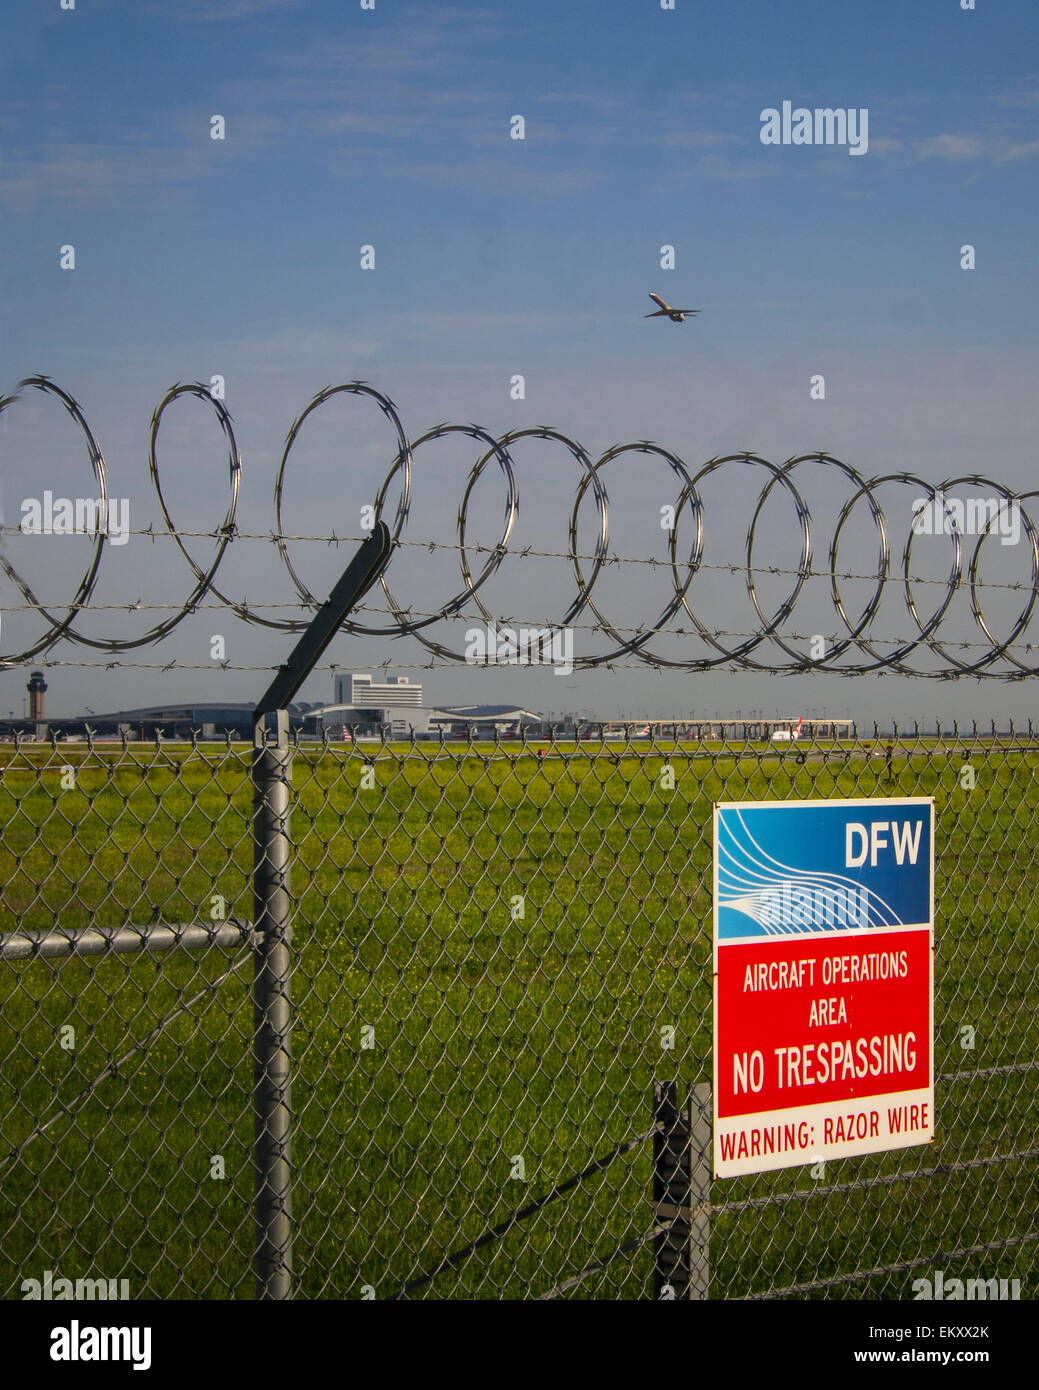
360, 574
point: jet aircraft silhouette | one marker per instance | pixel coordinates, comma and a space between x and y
666, 311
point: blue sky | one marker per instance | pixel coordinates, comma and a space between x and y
496, 256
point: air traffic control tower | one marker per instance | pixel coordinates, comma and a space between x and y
37, 687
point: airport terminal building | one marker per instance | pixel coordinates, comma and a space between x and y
362, 692
366, 708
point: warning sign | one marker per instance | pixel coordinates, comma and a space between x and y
823, 949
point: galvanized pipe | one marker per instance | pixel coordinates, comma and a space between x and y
99, 941
272, 1011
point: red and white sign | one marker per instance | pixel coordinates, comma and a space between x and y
822, 1044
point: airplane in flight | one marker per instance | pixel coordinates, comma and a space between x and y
665, 310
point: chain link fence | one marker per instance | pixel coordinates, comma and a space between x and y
500, 957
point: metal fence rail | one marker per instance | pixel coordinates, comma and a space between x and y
88, 941
495, 955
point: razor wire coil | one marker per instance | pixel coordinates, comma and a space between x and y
852, 648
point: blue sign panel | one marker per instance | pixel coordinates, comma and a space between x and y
786, 868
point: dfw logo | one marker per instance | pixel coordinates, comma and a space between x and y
823, 971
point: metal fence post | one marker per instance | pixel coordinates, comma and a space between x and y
700, 1190
681, 1192
272, 997
272, 1010
671, 1263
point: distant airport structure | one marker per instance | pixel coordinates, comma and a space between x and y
361, 691
361, 708
37, 688
719, 728
393, 708
366, 707
189, 719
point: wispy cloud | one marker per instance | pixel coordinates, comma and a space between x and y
1028, 97
949, 147
717, 165
216, 11
886, 144
477, 324
995, 146
492, 176
1022, 151
692, 139
595, 101
92, 175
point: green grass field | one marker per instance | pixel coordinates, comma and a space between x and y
494, 1036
